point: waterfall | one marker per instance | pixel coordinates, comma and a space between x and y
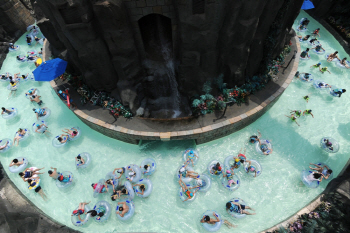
168, 57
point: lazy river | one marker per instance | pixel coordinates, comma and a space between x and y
275, 195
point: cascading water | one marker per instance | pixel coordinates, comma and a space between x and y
156, 32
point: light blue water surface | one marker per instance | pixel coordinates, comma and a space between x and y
275, 195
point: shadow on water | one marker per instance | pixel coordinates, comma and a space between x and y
343, 130
171, 146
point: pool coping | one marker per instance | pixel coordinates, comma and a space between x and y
200, 135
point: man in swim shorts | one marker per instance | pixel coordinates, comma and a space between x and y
36, 98
39, 112
339, 92
53, 174
344, 63
122, 210
29, 173
15, 162
6, 111
238, 208
305, 54
254, 138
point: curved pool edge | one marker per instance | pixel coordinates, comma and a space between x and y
312, 205
201, 135
22, 211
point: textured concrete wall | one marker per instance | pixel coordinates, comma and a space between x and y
103, 41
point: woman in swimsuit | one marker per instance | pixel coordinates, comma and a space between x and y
20, 134
71, 133
28, 173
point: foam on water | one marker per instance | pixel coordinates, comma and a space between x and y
275, 195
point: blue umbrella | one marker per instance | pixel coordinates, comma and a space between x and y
307, 5
50, 70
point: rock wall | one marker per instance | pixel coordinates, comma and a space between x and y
14, 19
104, 42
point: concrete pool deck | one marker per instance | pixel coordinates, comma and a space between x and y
201, 129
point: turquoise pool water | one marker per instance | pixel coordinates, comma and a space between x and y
275, 195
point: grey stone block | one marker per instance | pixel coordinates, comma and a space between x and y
151, 2
141, 3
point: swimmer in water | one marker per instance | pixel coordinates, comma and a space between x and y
293, 118
254, 138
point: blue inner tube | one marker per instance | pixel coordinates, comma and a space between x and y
42, 128
257, 167
10, 116
57, 143
302, 78
87, 159
317, 86
75, 220
333, 90
321, 51
152, 165
13, 88
98, 188
183, 195
148, 188
20, 168
335, 145
213, 172
25, 136
341, 65
212, 227
105, 208
204, 183
128, 214
67, 180
4, 78
113, 177
190, 152
48, 113
233, 213
309, 183
185, 179
233, 187
17, 47
3, 143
